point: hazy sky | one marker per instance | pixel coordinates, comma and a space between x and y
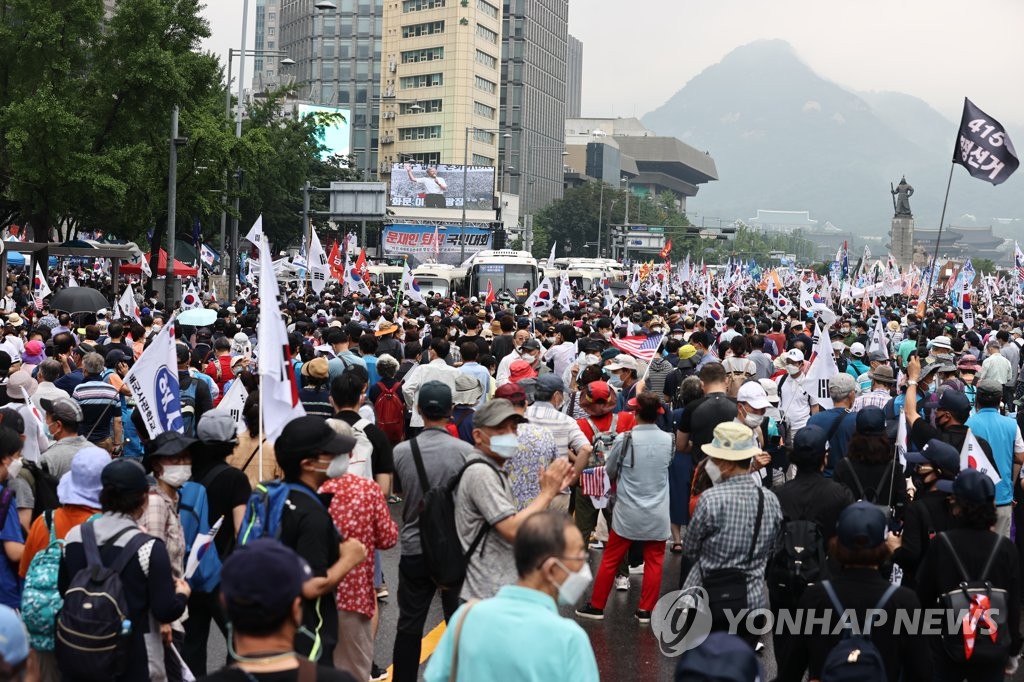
638, 54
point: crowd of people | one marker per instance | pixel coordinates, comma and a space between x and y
511, 458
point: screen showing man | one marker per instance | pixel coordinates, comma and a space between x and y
433, 186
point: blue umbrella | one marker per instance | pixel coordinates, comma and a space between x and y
197, 317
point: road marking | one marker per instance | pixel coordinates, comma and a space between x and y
427, 647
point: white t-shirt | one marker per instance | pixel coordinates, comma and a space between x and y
432, 185
795, 404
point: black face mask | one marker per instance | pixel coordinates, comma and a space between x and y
918, 480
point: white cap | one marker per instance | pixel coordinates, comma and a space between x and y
753, 394
794, 355
622, 361
857, 350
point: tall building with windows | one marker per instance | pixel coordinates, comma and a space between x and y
533, 99
573, 78
266, 74
337, 54
442, 78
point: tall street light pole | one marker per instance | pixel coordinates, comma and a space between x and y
465, 169
233, 252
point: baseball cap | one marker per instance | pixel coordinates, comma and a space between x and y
861, 525
753, 394
550, 383
435, 400
307, 436
771, 389
809, 445
260, 581
857, 350
125, 476
64, 409
622, 361
495, 412
217, 426
955, 402
970, 486
598, 391
721, 657
531, 344
990, 390
794, 355
511, 392
939, 454
871, 421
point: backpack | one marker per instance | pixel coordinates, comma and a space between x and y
188, 406
40, 597
194, 513
875, 493
855, 658
799, 562
677, 399
93, 629
602, 441
733, 381
44, 487
264, 509
360, 461
971, 597
390, 412
442, 549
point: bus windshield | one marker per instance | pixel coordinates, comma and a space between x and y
517, 280
434, 285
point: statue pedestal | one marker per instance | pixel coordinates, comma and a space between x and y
902, 241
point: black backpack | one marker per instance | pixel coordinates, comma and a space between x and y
442, 550
93, 627
968, 597
799, 562
855, 658
44, 487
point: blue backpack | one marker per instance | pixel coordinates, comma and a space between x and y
194, 513
264, 509
188, 406
41, 601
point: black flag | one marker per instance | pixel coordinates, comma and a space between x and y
983, 147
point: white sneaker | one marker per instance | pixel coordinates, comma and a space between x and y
636, 570
622, 583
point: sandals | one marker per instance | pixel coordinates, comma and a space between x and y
677, 548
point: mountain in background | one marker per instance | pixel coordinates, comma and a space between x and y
785, 138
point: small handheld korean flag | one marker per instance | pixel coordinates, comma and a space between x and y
542, 298
983, 147
40, 287
410, 288
318, 267
973, 457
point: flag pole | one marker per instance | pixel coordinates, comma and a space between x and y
259, 464
923, 304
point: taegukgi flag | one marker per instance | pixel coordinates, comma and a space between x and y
983, 147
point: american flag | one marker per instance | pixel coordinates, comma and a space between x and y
641, 347
592, 482
1018, 261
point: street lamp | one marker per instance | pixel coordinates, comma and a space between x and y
465, 168
625, 181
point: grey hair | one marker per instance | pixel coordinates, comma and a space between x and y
93, 363
387, 366
840, 386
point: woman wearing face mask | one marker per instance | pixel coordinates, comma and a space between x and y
153, 595
359, 511
639, 461
169, 460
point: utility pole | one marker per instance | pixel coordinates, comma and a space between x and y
172, 200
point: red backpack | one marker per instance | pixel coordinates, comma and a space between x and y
390, 412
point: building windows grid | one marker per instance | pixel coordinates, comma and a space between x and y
428, 106
420, 5
484, 85
481, 109
486, 59
481, 160
483, 136
486, 33
419, 133
425, 29
487, 8
425, 80
426, 55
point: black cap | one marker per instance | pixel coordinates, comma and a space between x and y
971, 486
13, 419
260, 581
125, 476
939, 454
871, 421
721, 657
861, 525
531, 344
435, 400
169, 444
956, 403
308, 436
809, 445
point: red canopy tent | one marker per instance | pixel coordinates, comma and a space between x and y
180, 269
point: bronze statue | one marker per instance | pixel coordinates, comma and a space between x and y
901, 199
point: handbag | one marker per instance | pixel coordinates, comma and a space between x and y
727, 587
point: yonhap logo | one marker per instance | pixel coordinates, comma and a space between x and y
168, 405
681, 620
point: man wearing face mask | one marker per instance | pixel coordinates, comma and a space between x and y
525, 349
307, 451
551, 561
797, 404
485, 506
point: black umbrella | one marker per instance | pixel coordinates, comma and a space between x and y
78, 300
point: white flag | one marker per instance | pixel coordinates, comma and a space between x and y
233, 402
901, 439
542, 298
564, 292
154, 383
319, 270
279, 393
822, 369
256, 231
410, 287
879, 340
551, 256
973, 457
72, 282
126, 304
41, 287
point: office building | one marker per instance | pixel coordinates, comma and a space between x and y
266, 74
533, 98
337, 54
442, 77
574, 78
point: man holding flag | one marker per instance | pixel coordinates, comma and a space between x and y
1004, 437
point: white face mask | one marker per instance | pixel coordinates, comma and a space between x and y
176, 475
14, 468
606, 335
793, 369
504, 445
338, 466
529, 357
753, 420
713, 472
570, 591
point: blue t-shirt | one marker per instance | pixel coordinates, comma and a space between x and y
10, 582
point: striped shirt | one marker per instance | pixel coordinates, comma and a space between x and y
564, 428
100, 403
873, 399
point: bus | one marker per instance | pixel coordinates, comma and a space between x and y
512, 274
436, 278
